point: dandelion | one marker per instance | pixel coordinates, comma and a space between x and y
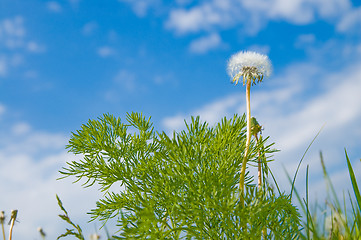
250, 65
2, 220
94, 236
42, 233
14, 214
253, 67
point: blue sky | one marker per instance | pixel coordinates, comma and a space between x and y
63, 62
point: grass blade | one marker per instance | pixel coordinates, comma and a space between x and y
303, 156
354, 182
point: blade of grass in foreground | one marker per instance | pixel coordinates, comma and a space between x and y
329, 183
354, 182
303, 156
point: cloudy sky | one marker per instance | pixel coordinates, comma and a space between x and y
63, 62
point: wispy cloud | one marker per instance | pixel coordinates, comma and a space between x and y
35, 47
12, 32
252, 15
350, 22
30, 160
205, 44
7, 62
14, 39
54, 6
105, 51
141, 7
126, 79
89, 28
2, 109
3, 66
124, 82
206, 16
263, 49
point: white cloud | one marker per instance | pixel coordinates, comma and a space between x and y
205, 16
165, 78
12, 32
35, 47
305, 40
30, 160
141, 7
13, 27
105, 51
2, 109
31, 74
13, 38
20, 128
3, 66
183, 2
263, 49
351, 22
7, 62
126, 79
89, 28
74, 3
252, 14
54, 6
211, 113
205, 44
13, 35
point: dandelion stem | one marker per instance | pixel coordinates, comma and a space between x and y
2, 225
2, 220
14, 214
244, 163
11, 229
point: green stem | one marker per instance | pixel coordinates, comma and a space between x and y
244, 163
259, 168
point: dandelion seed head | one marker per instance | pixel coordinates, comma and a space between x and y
2, 217
14, 214
41, 231
94, 236
249, 65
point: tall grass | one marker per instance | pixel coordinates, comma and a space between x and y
333, 219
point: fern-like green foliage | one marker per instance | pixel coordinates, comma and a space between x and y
181, 187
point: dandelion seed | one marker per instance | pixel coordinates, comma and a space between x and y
250, 65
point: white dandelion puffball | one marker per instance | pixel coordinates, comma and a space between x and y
247, 62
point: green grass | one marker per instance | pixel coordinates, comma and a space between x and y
332, 220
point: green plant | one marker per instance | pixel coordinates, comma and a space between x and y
179, 187
77, 231
336, 221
